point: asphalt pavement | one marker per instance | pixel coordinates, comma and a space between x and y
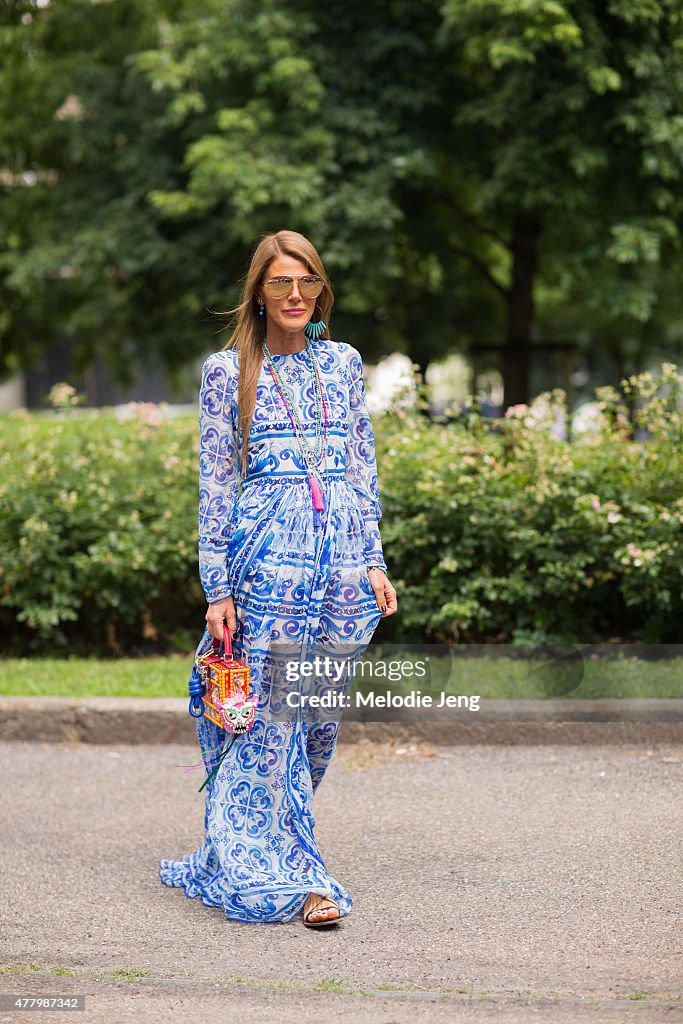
490, 883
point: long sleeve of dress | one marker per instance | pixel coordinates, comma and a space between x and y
361, 466
218, 473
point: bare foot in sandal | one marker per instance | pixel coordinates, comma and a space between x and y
320, 910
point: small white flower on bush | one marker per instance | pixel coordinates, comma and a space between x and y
586, 419
547, 411
63, 396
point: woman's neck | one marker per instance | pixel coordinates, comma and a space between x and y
282, 342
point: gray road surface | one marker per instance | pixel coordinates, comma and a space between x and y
489, 883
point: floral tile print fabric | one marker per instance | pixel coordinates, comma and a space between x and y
298, 591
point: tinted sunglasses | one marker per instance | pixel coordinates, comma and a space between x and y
310, 286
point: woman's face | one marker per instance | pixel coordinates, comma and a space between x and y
292, 312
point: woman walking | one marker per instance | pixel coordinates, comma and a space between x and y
290, 557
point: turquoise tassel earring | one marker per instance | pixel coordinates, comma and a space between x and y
315, 329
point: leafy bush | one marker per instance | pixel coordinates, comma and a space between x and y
502, 532
493, 530
98, 532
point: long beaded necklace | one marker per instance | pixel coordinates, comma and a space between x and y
312, 455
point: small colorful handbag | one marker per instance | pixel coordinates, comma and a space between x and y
222, 683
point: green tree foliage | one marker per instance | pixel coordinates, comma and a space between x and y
316, 127
84, 141
468, 168
569, 125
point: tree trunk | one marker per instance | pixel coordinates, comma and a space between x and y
418, 357
520, 307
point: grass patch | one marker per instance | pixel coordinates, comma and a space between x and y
10, 970
334, 985
502, 678
508, 678
240, 979
91, 677
405, 991
55, 970
130, 974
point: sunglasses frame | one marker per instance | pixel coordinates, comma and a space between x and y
304, 289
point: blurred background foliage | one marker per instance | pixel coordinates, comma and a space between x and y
471, 170
493, 532
477, 174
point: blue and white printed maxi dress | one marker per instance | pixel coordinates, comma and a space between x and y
294, 584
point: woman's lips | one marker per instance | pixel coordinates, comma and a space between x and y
294, 312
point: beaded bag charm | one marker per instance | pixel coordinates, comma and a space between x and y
224, 689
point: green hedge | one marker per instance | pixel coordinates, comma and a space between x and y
98, 533
493, 530
512, 535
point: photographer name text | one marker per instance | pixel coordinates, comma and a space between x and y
412, 699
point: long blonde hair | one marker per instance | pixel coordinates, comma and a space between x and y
248, 334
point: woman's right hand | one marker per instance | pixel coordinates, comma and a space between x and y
218, 613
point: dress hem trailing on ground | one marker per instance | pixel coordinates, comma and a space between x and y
299, 590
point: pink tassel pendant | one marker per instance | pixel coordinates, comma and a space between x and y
318, 500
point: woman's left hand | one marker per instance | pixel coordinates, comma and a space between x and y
384, 592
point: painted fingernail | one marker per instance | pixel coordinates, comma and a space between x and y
382, 607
